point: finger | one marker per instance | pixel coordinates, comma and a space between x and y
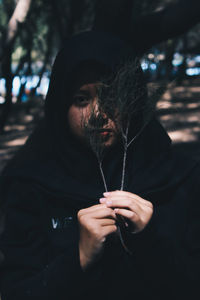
126, 213
107, 222
124, 198
106, 230
103, 213
140, 204
124, 203
91, 209
128, 194
134, 196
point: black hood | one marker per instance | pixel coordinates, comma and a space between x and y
63, 167
89, 46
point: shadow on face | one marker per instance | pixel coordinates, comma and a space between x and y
85, 118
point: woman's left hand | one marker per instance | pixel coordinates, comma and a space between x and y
136, 209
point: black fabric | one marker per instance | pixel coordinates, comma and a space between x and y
148, 29
54, 176
159, 26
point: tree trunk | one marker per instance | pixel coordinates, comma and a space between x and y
114, 17
183, 66
19, 16
7, 74
169, 58
46, 61
27, 73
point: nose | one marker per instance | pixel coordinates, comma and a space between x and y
97, 110
97, 118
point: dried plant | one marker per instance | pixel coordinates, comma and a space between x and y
92, 127
123, 98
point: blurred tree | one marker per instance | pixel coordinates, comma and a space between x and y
8, 37
18, 17
32, 32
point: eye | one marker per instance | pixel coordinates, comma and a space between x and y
81, 100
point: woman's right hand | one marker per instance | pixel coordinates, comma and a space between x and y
95, 223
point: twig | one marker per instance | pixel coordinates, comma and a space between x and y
124, 158
140, 131
103, 177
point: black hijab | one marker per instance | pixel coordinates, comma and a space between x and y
62, 166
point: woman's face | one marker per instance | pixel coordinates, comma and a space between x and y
84, 113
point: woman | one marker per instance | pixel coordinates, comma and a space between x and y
61, 236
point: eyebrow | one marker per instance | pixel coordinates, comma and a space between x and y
82, 92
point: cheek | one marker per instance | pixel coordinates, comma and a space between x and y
75, 120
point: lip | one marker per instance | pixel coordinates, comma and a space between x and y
101, 130
105, 133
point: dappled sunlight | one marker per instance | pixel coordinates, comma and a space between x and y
16, 142
192, 89
183, 136
22, 121
163, 105
14, 127
178, 110
193, 105
167, 96
193, 119
28, 118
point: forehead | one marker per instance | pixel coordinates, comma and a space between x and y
90, 87
87, 74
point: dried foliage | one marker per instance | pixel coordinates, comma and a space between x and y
123, 98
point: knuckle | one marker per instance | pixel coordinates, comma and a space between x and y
90, 224
79, 214
81, 220
110, 212
148, 203
134, 206
151, 205
114, 228
96, 233
149, 210
129, 202
136, 217
113, 214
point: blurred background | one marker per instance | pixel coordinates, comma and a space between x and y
31, 32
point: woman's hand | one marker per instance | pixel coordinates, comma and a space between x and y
96, 223
134, 208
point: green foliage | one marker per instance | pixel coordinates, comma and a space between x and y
48, 23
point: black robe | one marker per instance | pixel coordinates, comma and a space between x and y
54, 176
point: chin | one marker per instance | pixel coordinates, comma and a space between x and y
110, 143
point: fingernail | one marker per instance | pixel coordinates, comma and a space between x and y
106, 194
102, 200
108, 202
116, 210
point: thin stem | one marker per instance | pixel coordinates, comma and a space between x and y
124, 158
122, 241
135, 137
121, 219
103, 177
124, 167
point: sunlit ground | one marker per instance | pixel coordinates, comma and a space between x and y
178, 110
21, 123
